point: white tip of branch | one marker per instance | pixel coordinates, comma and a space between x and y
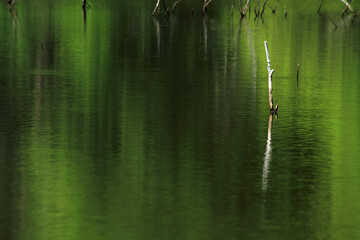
347, 4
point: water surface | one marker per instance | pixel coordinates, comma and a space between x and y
116, 125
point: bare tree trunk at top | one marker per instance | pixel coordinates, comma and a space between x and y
270, 73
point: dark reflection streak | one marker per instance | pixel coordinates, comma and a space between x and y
84, 19
157, 25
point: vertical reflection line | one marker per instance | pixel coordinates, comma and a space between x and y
84, 20
267, 158
205, 35
157, 25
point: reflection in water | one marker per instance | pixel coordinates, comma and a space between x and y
157, 25
267, 157
84, 17
205, 35
14, 14
103, 142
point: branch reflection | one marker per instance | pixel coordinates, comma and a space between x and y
157, 25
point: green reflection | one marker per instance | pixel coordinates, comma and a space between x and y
128, 127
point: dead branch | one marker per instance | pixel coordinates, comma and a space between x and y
206, 3
346, 9
263, 8
270, 73
245, 9
156, 8
347, 5
322, 2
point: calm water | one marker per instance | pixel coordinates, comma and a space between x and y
116, 125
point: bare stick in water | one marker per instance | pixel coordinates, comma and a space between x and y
270, 73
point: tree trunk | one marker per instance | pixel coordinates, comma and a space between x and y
270, 73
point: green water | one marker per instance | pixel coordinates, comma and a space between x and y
121, 126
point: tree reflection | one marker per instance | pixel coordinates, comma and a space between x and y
267, 158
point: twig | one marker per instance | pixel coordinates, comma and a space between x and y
347, 5
208, 3
346, 9
156, 7
356, 14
